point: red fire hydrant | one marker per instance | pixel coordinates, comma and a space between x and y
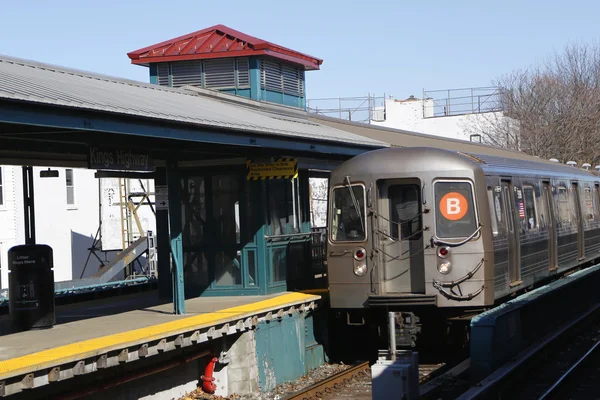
208, 381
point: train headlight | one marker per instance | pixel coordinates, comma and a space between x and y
445, 268
360, 269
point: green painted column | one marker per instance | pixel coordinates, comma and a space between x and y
255, 78
174, 192
163, 243
154, 73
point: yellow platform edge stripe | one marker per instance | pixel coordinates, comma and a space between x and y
95, 347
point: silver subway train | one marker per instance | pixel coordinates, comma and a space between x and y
440, 236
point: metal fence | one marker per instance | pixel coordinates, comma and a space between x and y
359, 109
442, 103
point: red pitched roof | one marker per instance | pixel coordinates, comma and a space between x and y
218, 41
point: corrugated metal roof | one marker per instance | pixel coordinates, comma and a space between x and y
218, 41
48, 84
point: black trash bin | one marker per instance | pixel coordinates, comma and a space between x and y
31, 287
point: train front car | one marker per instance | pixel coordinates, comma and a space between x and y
407, 234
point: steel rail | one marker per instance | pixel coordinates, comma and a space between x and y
564, 376
327, 385
500, 375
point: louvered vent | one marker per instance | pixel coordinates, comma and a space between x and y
219, 73
282, 78
270, 76
187, 73
163, 74
292, 83
243, 72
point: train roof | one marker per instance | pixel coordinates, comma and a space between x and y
385, 162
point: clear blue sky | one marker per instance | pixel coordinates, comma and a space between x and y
394, 46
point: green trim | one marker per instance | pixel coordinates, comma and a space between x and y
174, 192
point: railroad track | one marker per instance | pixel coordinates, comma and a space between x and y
546, 366
329, 385
573, 380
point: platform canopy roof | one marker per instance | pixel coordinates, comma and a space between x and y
218, 41
32, 93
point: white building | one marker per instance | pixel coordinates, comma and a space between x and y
67, 218
449, 113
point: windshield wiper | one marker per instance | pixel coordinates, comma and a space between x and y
355, 204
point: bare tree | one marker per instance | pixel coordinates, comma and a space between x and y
550, 111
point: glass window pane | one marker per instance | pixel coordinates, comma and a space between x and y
318, 201
70, 186
195, 269
69, 177
226, 194
588, 204
228, 268
563, 204
405, 211
494, 212
279, 272
530, 207
70, 195
193, 211
455, 214
348, 214
282, 215
251, 268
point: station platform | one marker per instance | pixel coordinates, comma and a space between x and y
88, 338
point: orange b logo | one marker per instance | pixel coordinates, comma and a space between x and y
454, 206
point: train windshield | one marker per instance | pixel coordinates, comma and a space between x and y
455, 212
348, 214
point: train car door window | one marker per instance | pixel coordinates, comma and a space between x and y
495, 211
575, 206
512, 236
531, 214
588, 204
405, 211
551, 226
563, 205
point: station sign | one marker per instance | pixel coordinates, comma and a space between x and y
272, 168
119, 159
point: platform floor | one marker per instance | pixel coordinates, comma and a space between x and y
88, 329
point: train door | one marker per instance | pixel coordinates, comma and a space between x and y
551, 225
512, 233
401, 243
576, 208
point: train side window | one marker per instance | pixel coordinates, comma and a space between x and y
563, 204
495, 211
531, 214
588, 204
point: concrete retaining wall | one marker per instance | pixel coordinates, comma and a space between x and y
282, 347
500, 334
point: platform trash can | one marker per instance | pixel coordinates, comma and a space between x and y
31, 287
